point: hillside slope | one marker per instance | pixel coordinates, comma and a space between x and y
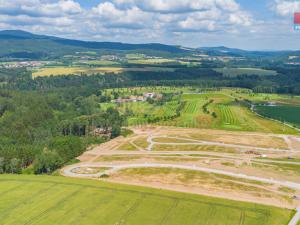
21, 44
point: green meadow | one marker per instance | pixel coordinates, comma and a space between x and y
225, 109
48, 200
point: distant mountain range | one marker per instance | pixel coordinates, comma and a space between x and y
224, 51
21, 44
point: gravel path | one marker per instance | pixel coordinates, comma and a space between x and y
211, 143
113, 168
68, 171
296, 217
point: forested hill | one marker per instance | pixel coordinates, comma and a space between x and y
17, 44
21, 44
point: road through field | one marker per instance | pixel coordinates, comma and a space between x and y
296, 217
211, 143
93, 166
69, 171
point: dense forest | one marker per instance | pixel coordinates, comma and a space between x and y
43, 130
48, 121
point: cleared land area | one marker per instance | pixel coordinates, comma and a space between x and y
244, 166
46, 200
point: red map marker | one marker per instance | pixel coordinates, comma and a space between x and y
297, 18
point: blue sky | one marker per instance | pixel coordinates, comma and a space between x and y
247, 24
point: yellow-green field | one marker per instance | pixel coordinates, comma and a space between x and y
76, 70
45, 200
55, 71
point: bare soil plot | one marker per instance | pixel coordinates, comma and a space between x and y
89, 170
204, 183
255, 140
127, 146
205, 148
228, 151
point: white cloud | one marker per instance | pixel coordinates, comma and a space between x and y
27, 20
191, 24
240, 18
40, 8
179, 6
286, 7
125, 20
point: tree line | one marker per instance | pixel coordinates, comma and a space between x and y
41, 131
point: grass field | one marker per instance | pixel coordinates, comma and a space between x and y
233, 72
199, 179
102, 69
55, 71
47, 200
226, 109
258, 98
230, 115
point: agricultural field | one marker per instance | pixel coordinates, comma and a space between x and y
141, 59
225, 109
55, 71
261, 98
286, 113
234, 72
46, 200
77, 70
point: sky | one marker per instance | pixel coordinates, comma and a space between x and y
246, 24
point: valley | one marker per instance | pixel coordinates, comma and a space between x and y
111, 133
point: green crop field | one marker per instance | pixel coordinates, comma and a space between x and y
258, 98
43, 200
286, 113
213, 109
78, 70
229, 115
55, 71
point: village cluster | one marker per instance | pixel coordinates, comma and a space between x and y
140, 98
